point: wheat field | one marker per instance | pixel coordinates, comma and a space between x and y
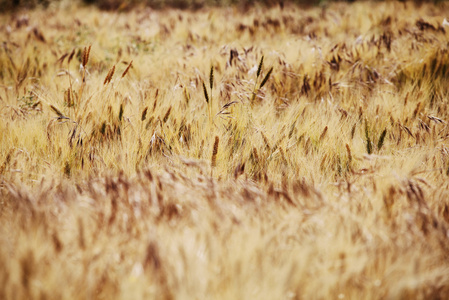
259, 152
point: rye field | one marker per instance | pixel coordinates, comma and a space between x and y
225, 152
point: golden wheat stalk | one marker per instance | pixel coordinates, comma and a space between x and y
58, 112
323, 134
70, 102
215, 151
167, 114
259, 69
265, 140
86, 54
211, 78
127, 69
71, 56
281, 151
144, 114
255, 155
205, 93
109, 76
349, 153
266, 78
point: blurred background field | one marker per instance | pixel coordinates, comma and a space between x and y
115, 4
8, 5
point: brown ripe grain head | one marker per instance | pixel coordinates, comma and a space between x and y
127, 69
215, 152
86, 53
109, 75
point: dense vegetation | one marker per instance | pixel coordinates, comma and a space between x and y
276, 152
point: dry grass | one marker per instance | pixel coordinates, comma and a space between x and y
219, 154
